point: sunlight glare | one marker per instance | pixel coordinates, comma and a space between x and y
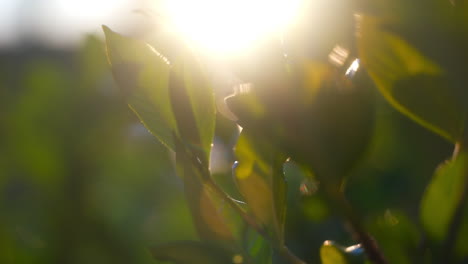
229, 26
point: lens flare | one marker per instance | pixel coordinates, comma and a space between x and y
229, 26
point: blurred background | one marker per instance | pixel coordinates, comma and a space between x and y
82, 181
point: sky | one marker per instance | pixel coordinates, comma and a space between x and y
62, 22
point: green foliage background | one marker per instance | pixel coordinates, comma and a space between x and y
83, 181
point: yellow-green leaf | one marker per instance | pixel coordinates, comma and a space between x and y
214, 219
331, 254
259, 177
442, 197
412, 82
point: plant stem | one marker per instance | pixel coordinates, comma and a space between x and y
246, 217
368, 243
284, 252
289, 257
206, 178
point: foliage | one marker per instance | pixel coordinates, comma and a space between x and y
318, 115
321, 156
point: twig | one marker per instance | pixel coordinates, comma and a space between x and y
288, 256
369, 244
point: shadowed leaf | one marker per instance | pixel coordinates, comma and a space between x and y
442, 197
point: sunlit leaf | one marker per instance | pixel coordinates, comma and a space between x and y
193, 103
443, 196
193, 252
143, 76
331, 254
214, 218
413, 83
260, 179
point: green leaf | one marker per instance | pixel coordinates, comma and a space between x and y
414, 84
193, 252
259, 177
257, 247
398, 237
333, 122
442, 197
301, 116
143, 76
193, 103
331, 254
214, 218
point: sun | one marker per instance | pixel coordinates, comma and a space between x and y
229, 26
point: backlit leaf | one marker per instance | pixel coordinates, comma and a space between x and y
412, 82
193, 103
142, 73
214, 218
260, 179
331, 254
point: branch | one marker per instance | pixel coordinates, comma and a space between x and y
369, 244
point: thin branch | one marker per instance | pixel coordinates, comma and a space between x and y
288, 256
369, 244
246, 217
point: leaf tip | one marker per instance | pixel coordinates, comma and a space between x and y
106, 30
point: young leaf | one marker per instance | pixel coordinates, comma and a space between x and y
194, 252
410, 81
260, 179
442, 197
193, 103
143, 76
